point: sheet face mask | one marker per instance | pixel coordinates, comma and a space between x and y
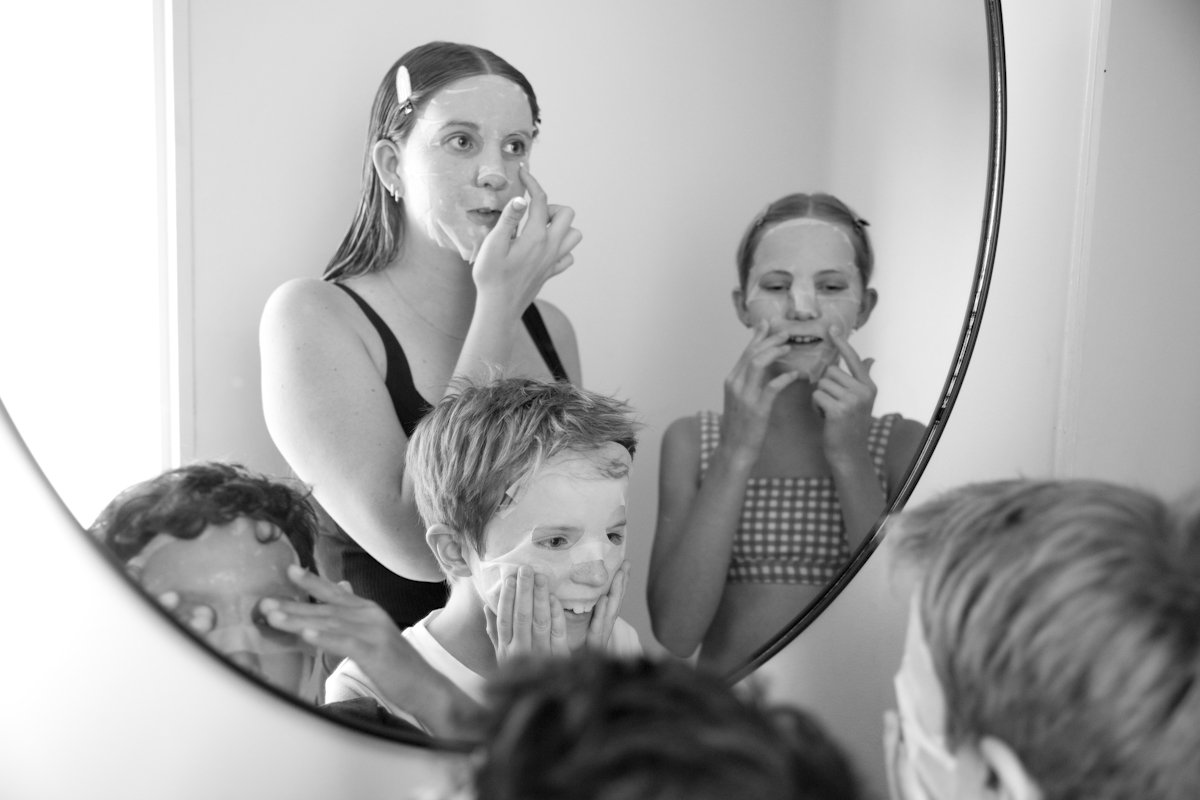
459, 164
803, 279
228, 569
567, 521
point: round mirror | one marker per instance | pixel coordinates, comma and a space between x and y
667, 128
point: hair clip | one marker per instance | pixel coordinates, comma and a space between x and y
404, 90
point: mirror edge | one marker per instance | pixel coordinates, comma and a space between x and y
994, 191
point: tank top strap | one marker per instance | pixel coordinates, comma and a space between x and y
877, 445
541, 339
710, 436
410, 406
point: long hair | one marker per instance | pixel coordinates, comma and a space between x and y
377, 230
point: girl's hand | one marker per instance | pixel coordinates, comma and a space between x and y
510, 266
604, 616
528, 618
749, 394
200, 618
845, 400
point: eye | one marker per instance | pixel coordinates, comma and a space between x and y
616, 537
516, 147
775, 286
460, 142
555, 542
832, 287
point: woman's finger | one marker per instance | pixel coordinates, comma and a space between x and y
538, 211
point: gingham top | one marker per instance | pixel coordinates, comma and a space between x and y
791, 529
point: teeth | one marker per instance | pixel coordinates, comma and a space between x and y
580, 608
803, 339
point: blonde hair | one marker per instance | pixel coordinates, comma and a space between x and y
482, 438
1064, 619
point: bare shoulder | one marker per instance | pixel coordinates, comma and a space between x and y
309, 308
562, 333
903, 443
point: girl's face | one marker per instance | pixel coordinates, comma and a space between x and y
458, 166
803, 281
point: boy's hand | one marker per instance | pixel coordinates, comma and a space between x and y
845, 399
605, 614
201, 619
528, 618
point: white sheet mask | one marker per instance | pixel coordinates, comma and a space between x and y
562, 524
228, 569
803, 279
461, 159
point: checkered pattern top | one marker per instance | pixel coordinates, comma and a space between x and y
791, 529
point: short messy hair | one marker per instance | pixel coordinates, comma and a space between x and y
1063, 618
593, 727
184, 501
481, 438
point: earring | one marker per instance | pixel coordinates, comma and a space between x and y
396, 193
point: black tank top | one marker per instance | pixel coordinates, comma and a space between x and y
338, 556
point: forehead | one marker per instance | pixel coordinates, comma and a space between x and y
480, 99
224, 560
804, 244
573, 488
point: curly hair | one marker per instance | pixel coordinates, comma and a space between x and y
183, 502
591, 727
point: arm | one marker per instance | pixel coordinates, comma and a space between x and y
349, 626
697, 519
330, 415
508, 273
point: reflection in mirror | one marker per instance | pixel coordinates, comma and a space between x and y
665, 147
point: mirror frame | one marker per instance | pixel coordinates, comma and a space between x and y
951, 387
997, 136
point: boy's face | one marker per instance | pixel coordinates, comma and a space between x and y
228, 569
567, 521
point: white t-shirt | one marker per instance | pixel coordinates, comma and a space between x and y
348, 681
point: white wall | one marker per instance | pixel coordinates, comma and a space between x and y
71, 729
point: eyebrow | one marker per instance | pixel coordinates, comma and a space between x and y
462, 123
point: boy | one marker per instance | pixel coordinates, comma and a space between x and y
522, 487
228, 553
1053, 648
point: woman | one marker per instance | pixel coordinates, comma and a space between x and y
432, 281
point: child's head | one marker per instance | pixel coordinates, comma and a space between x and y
448, 82
218, 537
804, 266
1057, 623
523, 472
597, 728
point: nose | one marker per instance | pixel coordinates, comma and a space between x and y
803, 305
491, 174
590, 573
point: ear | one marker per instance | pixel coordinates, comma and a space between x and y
450, 549
739, 306
385, 156
1004, 774
870, 298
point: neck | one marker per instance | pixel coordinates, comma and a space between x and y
461, 628
435, 283
793, 407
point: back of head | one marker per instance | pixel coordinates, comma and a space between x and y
1063, 618
480, 439
376, 232
591, 728
818, 206
185, 501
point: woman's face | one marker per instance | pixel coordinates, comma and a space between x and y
458, 166
803, 281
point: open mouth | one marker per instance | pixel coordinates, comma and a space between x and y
804, 340
578, 611
485, 216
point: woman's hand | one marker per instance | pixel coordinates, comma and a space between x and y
604, 615
528, 618
845, 399
511, 267
750, 393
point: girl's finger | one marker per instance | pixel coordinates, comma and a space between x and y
848, 353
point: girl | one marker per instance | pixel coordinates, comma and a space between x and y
759, 507
432, 281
